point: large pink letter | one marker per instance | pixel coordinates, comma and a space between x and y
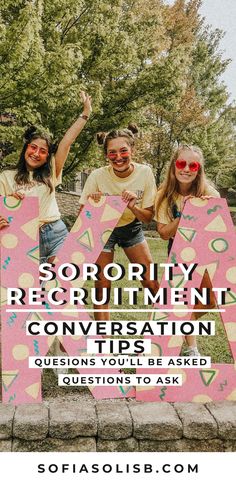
19, 262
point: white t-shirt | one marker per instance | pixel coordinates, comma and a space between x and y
48, 208
141, 181
162, 214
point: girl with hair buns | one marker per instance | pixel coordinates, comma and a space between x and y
37, 173
185, 178
135, 184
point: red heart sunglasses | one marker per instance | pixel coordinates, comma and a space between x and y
193, 166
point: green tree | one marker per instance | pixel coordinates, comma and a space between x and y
141, 60
200, 112
63, 46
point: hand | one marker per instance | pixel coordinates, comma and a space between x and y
206, 197
3, 222
86, 99
18, 195
96, 196
130, 198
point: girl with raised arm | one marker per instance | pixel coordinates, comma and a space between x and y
37, 173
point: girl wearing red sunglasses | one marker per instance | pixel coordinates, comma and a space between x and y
185, 178
135, 184
37, 173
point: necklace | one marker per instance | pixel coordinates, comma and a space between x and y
130, 167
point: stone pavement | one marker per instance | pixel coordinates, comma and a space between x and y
118, 425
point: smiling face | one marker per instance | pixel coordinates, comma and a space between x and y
36, 153
119, 154
186, 176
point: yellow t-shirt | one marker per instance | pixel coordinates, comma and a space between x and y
141, 182
162, 216
48, 208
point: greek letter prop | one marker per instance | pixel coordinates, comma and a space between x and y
206, 236
19, 268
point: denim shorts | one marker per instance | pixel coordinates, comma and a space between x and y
126, 236
51, 238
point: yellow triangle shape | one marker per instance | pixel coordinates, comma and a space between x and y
230, 298
232, 396
177, 281
34, 254
33, 390
8, 377
35, 316
175, 341
156, 349
31, 228
211, 268
109, 214
77, 225
3, 295
159, 316
32, 317
216, 225
208, 375
86, 239
187, 233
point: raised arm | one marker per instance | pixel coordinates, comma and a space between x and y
72, 133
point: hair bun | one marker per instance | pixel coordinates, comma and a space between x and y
33, 132
133, 128
101, 137
29, 132
54, 147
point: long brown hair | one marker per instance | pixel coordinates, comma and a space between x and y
41, 174
169, 189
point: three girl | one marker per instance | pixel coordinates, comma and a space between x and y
38, 173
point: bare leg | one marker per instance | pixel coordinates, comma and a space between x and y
142, 255
51, 259
104, 259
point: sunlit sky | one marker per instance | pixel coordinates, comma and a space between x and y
222, 14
